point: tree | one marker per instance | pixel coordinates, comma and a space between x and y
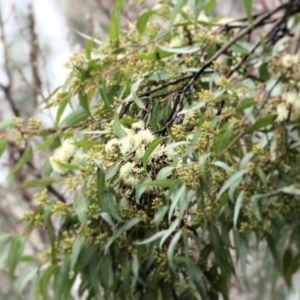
179, 154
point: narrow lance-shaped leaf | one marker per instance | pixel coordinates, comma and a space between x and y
27, 155
141, 23
171, 249
80, 207
120, 132
236, 176
175, 199
100, 183
159, 183
128, 225
150, 149
44, 281
176, 10
3, 146
115, 22
248, 8
237, 207
40, 182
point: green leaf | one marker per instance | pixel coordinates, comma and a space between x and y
169, 231
120, 132
164, 172
171, 249
80, 207
209, 7
237, 207
61, 110
15, 253
176, 10
112, 171
196, 276
76, 248
272, 247
139, 191
45, 279
106, 217
256, 207
84, 102
154, 237
109, 204
159, 216
192, 108
128, 225
151, 147
4, 237
245, 103
27, 155
89, 47
160, 183
223, 139
47, 143
86, 144
142, 21
100, 183
61, 281
88, 37
264, 72
40, 182
291, 190
184, 50
248, 9
74, 118
235, 177
115, 22
139, 103
163, 234
7, 123
261, 123
23, 279
3, 145
68, 166
224, 166
103, 92
178, 195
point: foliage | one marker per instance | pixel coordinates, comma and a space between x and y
180, 149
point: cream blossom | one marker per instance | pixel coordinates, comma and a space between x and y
293, 99
112, 145
126, 175
289, 60
282, 112
176, 42
64, 154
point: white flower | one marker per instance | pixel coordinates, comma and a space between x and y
140, 152
64, 154
288, 60
112, 145
126, 169
170, 154
146, 136
127, 144
190, 137
293, 99
126, 176
282, 112
176, 42
138, 126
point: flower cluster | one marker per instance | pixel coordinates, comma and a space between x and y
130, 150
289, 108
65, 154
